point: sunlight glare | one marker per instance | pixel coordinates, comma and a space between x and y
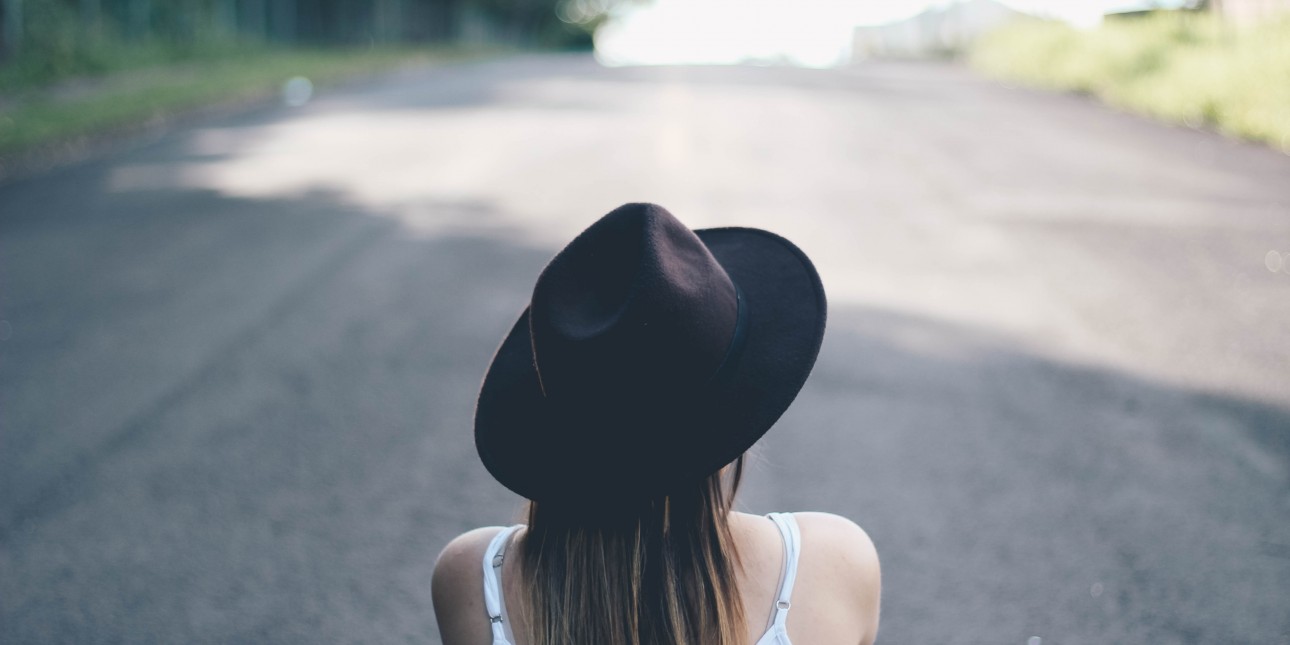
805, 33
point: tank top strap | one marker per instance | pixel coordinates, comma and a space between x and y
493, 600
792, 549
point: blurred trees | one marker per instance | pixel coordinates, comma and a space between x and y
87, 35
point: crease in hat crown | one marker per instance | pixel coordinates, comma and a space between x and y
635, 308
623, 413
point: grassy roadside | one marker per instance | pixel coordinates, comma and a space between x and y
37, 118
1183, 68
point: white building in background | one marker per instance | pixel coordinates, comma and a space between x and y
934, 32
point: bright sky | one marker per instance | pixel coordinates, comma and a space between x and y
813, 33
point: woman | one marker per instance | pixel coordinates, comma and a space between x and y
650, 359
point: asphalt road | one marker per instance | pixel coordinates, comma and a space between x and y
239, 360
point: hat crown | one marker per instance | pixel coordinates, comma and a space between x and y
649, 357
635, 310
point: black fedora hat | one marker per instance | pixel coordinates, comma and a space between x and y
649, 357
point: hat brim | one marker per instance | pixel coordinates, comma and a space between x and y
786, 312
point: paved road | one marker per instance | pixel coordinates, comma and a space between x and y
239, 361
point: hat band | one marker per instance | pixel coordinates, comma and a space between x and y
734, 351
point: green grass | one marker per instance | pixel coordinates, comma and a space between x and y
38, 117
1183, 68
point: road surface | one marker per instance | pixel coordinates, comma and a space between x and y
239, 360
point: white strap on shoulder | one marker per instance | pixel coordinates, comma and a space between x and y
493, 583
792, 549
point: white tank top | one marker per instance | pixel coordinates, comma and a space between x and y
776, 634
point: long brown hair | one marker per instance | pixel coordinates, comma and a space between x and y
658, 572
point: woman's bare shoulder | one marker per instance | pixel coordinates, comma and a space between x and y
840, 556
465, 552
457, 587
836, 532
828, 534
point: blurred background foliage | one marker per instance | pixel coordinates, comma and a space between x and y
1190, 68
72, 69
46, 40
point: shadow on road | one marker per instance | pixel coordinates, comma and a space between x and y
249, 420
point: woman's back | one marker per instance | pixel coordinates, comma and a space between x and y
834, 596
650, 359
